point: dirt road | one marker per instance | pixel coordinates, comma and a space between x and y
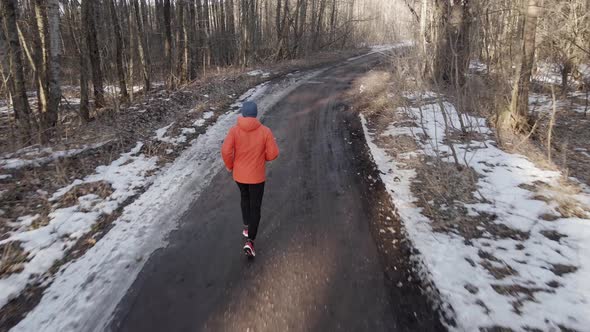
317, 268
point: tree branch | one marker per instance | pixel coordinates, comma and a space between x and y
412, 10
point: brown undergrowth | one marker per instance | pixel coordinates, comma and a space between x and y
443, 188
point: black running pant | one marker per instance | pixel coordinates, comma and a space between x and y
251, 203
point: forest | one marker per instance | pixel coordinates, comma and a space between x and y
432, 176
113, 50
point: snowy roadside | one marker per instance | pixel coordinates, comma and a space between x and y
85, 291
515, 253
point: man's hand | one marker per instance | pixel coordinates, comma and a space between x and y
229, 170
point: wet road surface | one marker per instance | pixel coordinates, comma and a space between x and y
317, 266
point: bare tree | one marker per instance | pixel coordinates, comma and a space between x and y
142, 46
118, 52
18, 86
53, 63
90, 13
520, 94
168, 43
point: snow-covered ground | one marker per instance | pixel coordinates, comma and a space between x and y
477, 66
543, 103
547, 285
84, 292
259, 72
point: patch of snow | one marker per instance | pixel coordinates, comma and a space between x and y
454, 266
208, 115
114, 89
188, 131
73, 101
85, 292
249, 95
550, 73
162, 137
5, 176
393, 131
24, 221
543, 103
203, 120
47, 244
161, 133
17, 163
199, 123
5, 109
258, 72
547, 73
477, 66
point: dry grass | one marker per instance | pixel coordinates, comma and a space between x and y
100, 188
12, 258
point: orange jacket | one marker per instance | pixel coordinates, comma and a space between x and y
247, 148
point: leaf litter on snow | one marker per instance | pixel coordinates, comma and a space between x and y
505, 242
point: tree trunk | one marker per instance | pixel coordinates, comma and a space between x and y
443, 53
566, 70
132, 47
89, 13
142, 47
318, 32
201, 35
42, 57
423, 16
180, 42
95, 61
520, 93
193, 41
53, 70
168, 44
186, 43
119, 52
333, 21
231, 30
83, 61
21, 106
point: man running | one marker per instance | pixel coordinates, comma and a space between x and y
245, 151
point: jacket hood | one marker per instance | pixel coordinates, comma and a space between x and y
248, 124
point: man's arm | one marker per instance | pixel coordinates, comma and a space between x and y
227, 150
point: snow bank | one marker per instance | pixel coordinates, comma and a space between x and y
453, 265
86, 291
